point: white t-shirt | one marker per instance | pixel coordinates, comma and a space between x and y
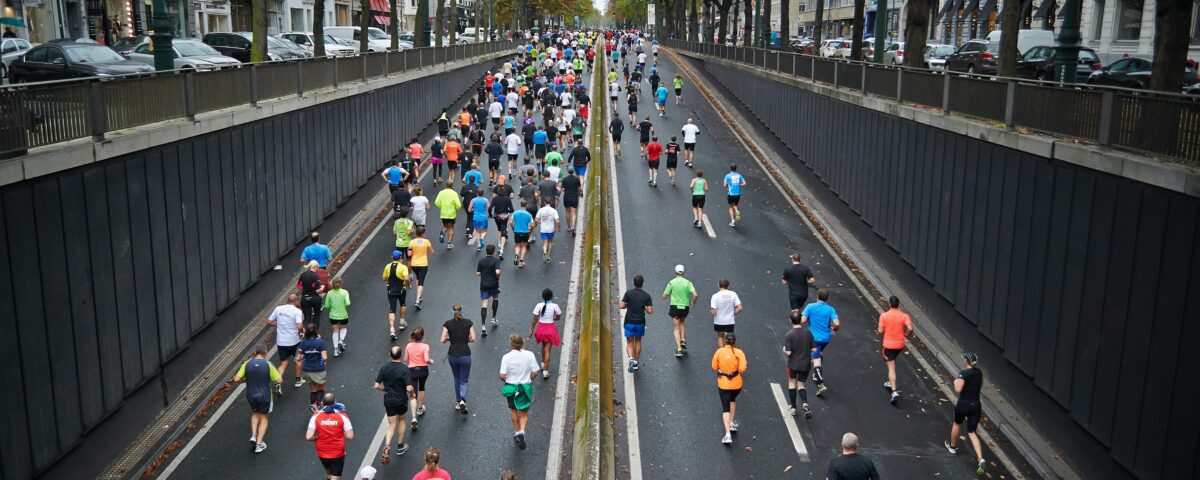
568, 115
555, 172
724, 302
548, 62
287, 318
547, 216
614, 89
518, 366
546, 311
512, 144
495, 109
346, 427
566, 99
641, 58
513, 99
689, 133
419, 205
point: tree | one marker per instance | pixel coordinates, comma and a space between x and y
723, 12
1009, 26
747, 23
258, 29
817, 26
478, 14
765, 24
916, 31
439, 22
785, 25
393, 25
364, 22
421, 29
856, 35
453, 22
318, 28
693, 25
1172, 20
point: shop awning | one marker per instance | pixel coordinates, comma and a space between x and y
1044, 8
941, 13
381, 6
988, 8
384, 20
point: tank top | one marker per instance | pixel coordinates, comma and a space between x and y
417, 353
698, 189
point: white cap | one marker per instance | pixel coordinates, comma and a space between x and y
679, 269
366, 473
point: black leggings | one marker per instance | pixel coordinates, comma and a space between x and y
728, 397
437, 169
310, 305
418, 376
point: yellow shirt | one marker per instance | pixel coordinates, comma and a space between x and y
418, 250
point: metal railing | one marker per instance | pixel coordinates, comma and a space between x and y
1157, 123
45, 113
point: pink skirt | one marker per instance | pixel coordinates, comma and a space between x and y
547, 333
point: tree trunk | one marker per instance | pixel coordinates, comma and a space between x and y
817, 25
785, 25
1172, 20
916, 31
258, 27
421, 29
693, 23
765, 23
478, 15
723, 27
748, 23
364, 22
393, 25
318, 28
856, 31
1010, 10
453, 22
439, 22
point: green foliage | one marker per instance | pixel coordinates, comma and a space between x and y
632, 12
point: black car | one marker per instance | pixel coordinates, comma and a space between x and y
61, 61
1134, 72
974, 56
237, 45
1039, 63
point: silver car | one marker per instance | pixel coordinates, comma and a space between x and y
12, 49
189, 55
334, 47
894, 55
935, 55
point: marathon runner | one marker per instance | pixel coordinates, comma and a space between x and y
678, 84
615, 128
337, 301
653, 154
289, 322
517, 368
488, 271
261, 378
448, 202
699, 187
730, 363
690, 132
734, 182
894, 325
395, 382
416, 354
571, 188
672, 150
500, 209
637, 304
682, 295
478, 208
645, 131
460, 333
968, 408
396, 276
547, 218
799, 347
724, 306
522, 223
311, 351
798, 279
823, 323
419, 251
542, 328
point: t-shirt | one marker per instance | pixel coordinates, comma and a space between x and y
580, 156
680, 291
419, 204
331, 428
851, 467
689, 133
401, 197
414, 150
972, 384
636, 300
797, 276
479, 209
539, 137
529, 195
287, 319
395, 175
799, 341
553, 158
519, 366
546, 312
488, 278
672, 151
616, 126
554, 170
893, 323
402, 229
521, 220
729, 359
395, 379
724, 302
613, 88
662, 94
644, 128
474, 177
312, 348
501, 208
337, 301
310, 283
396, 275
417, 353
733, 181
512, 144
418, 251
453, 150
654, 151
458, 332
448, 203
317, 252
820, 316
548, 188
258, 374
548, 219
436, 474
570, 187
495, 109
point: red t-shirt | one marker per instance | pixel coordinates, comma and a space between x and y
653, 151
331, 431
438, 474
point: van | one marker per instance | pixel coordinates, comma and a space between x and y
377, 41
1026, 39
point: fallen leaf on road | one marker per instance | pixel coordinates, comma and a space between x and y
788, 469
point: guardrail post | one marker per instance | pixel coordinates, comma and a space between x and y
812, 68
95, 110
386, 60
795, 57
364, 66
899, 83
189, 95
1104, 136
300, 79
946, 93
254, 84
862, 84
835, 75
1010, 96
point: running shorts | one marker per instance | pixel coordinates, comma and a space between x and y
520, 237
539, 151
287, 353
493, 164
420, 273
501, 226
394, 410
632, 108
723, 328
581, 171
449, 222
512, 157
570, 202
490, 293
733, 199
479, 224
890, 354
728, 397
799, 375
970, 412
678, 92
678, 312
418, 376
644, 140
672, 163
616, 138
343, 322
334, 466
797, 301
547, 236
689, 146
397, 300
820, 348
697, 201
653, 164
260, 404
635, 330
317, 378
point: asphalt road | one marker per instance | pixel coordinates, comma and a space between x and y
478, 445
678, 412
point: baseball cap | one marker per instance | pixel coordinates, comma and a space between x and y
970, 358
396, 255
679, 269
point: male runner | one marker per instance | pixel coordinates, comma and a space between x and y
289, 322
690, 132
894, 325
660, 95
683, 296
798, 279
580, 156
614, 89
615, 128
260, 377
394, 381
329, 429
799, 347
547, 218
448, 202
968, 385
637, 304
488, 271
823, 323
500, 209
397, 277
631, 99
522, 223
495, 150
512, 146
653, 154
734, 182
672, 150
479, 219
571, 189
724, 306
645, 131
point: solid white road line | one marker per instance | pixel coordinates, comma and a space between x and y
374, 446
790, 422
631, 418
708, 226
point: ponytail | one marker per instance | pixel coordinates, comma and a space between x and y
457, 309
432, 457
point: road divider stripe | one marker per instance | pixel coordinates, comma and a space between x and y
790, 422
708, 226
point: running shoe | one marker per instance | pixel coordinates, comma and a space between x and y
821, 389
952, 450
253, 440
733, 426
981, 470
630, 371
895, 398
683, 345
260, 447
495, 322
480, 247
807, 411
484, 330
442, 237
401, 449
792, 410
336, 351
420, 411
546, 259
732, 224
727, 439
887, 386
516, 261
449, 246
278, 388
414, 425
392, 333
403, 324
464, 407
500, 257
342, 345
650, 182
299, 382
417, 305
738, 215
520, 438
637, 365
386, 457
678, 353
672, 182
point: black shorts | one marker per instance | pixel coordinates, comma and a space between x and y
890, 354
393, 300
723, 328
420, 273
512, 157
418, 375
644, 140
728, 397
733, 199
672, 163
632, 108
260, 404
689, 146
493, 165
653, 164
449, 222
334, 466
678, 312
971, 412
799, 375
343, 322
396, 410
797, 301
678, 92
521, 237
539, 151
569, 202
697, 201
286, 354
616, 138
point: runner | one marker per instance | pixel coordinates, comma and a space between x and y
615, 128
699, 187
397, 276
672, 151
517, 368
894, 325
478, 208
798, 279
419, 251
690, 132
631, 99
416, 353
799, 347
413, 159
402, 229
420, 206
542, 328
261, 378
448, 203
329, 428
460, 333
547, 218
337, 301
683, 296
431, 471
730, 363
289, 322
488, 271
437, 156
637, 304
678, 84
653, 153
395, 382
645, 131
522, 223
547, 189
495, 150
394, 175
312, 352
500, 208
660, 97
614, 90
512, 147
734, 182
453, 151
540, 137
968, 385
310, 292
580, 157
723, 306
571, 188
850, 465
823, 322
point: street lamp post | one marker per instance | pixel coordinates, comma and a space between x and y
1066, 59
164, 59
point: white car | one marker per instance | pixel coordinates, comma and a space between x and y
190, 54
377, 41
830, 48
11, 49
334, 47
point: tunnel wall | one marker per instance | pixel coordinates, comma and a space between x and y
108, 270
1084, 279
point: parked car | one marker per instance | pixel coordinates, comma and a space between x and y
61, 61
334, 47
1134, 72
1039, 63
237, 45
1026, 39
190, 54
74, 40
126, 45
935, 55
843, 50
868, 50
377, 40
294, 46
829, 48
894, 55
974, 56
10, 50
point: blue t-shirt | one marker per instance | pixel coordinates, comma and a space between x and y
312, 348
473, 177
497, 87
317, 252
560, 88
479, 207
568, 53
521, 220
820, 316
734, 180
616, 56
395, 175
539, 137
508, 121
529, 48
662, 94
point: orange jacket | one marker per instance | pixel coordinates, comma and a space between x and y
729, 359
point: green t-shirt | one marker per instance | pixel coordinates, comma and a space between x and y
678, 83
680, 290
698, 188
337, 301
401, 229
554, 158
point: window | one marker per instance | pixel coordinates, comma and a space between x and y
1097, 18
37, 55
54, 54
1121, 65
10, 46
1129, 19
